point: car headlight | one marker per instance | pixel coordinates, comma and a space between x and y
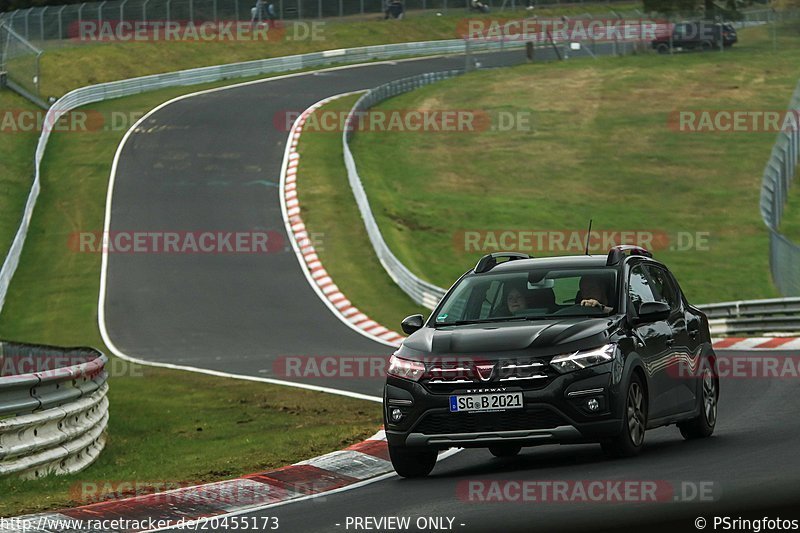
571, 362
403, 368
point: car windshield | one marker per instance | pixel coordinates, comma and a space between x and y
530, 295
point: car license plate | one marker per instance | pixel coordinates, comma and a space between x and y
486, 402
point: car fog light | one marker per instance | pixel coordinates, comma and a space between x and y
593, 404
396, 414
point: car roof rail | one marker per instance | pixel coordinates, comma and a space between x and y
489, 261
618, 253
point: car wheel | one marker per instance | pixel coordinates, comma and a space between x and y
706, 46
630, 441
662, 48
505, 450
703, 425
412, 462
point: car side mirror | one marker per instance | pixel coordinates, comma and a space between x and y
652, 312
412, 323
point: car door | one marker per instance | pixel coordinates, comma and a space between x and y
655, 351
683, 358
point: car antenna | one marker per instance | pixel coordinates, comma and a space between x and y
586, 251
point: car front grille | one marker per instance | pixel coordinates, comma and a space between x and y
515, 420
451, 376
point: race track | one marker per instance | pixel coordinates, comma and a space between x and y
750, 463
212, 162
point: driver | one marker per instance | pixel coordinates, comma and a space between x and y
594, 292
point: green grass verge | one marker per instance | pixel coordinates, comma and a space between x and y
601, 148
156, 415
74, 65
325, 197
16, 163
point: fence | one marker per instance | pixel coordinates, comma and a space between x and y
53, 414
19, 60
784, 255
59, 22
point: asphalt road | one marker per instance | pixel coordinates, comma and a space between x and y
211, 163
749, 467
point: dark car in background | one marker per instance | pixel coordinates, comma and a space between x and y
696, 35
576, 349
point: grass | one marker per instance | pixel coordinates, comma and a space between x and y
600, 148
70, 65
17, 147
325, 196
235, 427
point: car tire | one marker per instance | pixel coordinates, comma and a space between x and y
412, 462
703, 425
631, 440
706, 46
505, 450
662, 48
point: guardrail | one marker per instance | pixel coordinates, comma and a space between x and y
784, 255
53, 409
770, 317
421, 291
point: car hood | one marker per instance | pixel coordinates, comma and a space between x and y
544, 336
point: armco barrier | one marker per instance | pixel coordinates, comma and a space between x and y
773, 316
784, 255
54, 414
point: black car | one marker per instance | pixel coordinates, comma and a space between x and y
696, 35
575, 349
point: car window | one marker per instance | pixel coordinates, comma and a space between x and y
640, 287
529, 294
663, 288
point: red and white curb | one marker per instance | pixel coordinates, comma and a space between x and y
328, 473
757, 343
317, 276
